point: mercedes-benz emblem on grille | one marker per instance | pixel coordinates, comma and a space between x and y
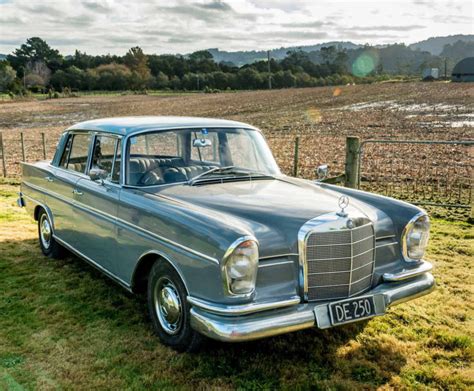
343, 204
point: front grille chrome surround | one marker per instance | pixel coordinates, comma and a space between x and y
336, 261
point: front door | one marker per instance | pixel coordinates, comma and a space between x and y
97, 205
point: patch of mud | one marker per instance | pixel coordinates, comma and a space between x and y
393, 105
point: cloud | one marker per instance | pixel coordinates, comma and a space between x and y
14, 42
183, 26
97, 6
79, 20
314, 24
216, 5
452, 19
41, 9
303, 35
13, 20
66, 41
353, 35
211, 13
122, 39
180, 40
385, 28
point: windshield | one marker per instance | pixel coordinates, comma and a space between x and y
191, 155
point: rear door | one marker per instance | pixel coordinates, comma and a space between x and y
61, 184
97, 204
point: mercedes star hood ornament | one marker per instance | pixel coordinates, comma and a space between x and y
343, 204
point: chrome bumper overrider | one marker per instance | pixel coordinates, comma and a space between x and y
300, 316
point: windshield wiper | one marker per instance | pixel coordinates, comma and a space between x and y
230, 170
205, 173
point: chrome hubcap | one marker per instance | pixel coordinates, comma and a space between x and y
168, 305
45, 231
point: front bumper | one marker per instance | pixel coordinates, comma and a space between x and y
301, 316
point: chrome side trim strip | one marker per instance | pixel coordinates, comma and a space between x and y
121, 221
387, 244
384, 237
93, 263
278, 256
241, 309
277, 263
405, 274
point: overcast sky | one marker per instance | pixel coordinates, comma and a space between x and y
176, 26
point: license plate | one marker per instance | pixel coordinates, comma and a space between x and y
352, 310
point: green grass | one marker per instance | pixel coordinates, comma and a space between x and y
63, 325
39, 96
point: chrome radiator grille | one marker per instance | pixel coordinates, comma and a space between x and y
339, 263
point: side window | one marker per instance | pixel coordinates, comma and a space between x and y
117, 162
104, 154
155, 144
76, 152
67, 150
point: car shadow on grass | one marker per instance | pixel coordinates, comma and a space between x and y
345, 357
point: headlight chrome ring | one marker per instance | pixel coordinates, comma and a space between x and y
415, 237
240, 268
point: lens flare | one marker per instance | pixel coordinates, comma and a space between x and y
364, 64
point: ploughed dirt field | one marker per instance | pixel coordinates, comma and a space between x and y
64, 325
322, 117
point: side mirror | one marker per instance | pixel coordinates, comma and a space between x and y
201, 142
97, 174
322, 172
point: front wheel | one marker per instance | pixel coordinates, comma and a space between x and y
49, 246
169, 310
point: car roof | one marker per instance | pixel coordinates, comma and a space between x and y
131, 125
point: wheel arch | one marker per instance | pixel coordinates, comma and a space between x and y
142, 270
37, 211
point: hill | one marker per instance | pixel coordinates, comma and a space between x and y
240, 58
435, 45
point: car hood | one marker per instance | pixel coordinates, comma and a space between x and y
272, 210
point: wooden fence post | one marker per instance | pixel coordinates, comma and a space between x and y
295, 156
352, 161
2, 149
43, 141
471, 197
22, 146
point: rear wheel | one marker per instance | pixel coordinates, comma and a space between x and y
169, 310
49, 246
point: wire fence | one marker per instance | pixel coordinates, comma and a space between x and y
424, 172
438, 173
24, 147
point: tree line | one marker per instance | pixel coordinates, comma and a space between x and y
35, 66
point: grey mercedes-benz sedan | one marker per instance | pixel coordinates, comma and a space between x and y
195, 214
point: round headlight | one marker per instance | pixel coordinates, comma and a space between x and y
415, 237
240, 266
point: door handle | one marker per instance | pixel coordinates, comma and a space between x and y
49, 179
77, 192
